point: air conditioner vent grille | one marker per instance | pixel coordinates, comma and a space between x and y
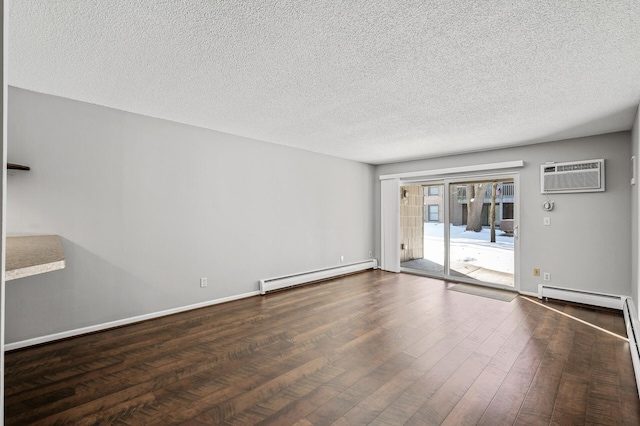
575, 176
578, 166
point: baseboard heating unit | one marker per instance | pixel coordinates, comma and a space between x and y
633, 333
271, 284
581, 296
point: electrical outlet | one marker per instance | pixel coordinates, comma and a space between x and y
370, 254
203, 282
536, 272
341, 258
546, 276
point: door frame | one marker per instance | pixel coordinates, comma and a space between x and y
484, 172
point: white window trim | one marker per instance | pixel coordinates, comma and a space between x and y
454, 170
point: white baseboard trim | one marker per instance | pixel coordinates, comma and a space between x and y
118, 323
633, 333
278, 283
605, 300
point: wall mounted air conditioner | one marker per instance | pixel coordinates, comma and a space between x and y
572, 176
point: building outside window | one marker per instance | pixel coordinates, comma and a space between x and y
433, 212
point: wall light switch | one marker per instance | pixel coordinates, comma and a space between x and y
546, 220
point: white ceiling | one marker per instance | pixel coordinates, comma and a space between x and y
371, 80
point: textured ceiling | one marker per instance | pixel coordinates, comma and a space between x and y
373, 80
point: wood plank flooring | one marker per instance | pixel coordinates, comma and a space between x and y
373, 348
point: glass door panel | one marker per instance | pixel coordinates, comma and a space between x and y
422, 228
481, 223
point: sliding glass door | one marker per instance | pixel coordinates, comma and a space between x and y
462, 229
481, 240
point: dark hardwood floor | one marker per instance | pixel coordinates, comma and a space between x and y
372, 348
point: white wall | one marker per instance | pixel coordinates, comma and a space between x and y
588, 243
635, 209
146, 207
3, 176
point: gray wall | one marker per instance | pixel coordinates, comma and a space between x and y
635, 208
588, 243
146, 207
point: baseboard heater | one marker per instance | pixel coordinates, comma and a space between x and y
633, 333
581, 296
271, 284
